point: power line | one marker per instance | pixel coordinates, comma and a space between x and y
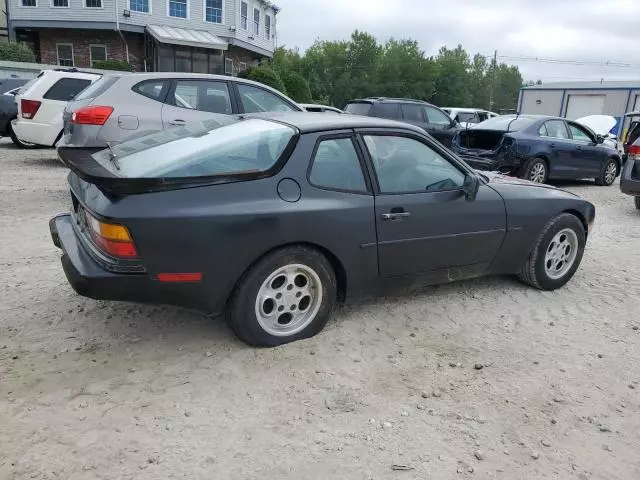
595, 63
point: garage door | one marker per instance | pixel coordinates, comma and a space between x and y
583, 105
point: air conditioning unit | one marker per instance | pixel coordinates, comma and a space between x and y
126, 13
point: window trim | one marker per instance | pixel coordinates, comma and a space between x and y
253, 22
73, 60
174, 84
149, 2
188, 17
56, 6
84, 5
434, 145
91, 45
361, 161
204, 13
246, 26
267, 26
22, 5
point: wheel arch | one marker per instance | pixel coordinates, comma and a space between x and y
618, 161
334, 261
580, 216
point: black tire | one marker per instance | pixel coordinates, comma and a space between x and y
17, 142
533, 165
534, 272
241, 312
637, 202
606, 178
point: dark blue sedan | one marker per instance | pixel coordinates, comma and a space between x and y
538, 148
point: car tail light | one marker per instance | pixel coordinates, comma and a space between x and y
91, 115
634, 152
111, 238
29, 108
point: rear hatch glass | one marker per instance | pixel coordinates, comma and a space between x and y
358, 108
97, 88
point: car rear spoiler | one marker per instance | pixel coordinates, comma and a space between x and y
81, 162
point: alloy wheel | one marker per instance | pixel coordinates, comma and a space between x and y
610, 173
561, 253
538, 173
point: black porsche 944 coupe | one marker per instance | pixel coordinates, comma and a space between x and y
273, 218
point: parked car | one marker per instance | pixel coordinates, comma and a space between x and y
295, 210
538, 148
601, 125
41, 102
630, 178
119, 108
313, 107
633, 132
430, 118
9, 87
469, 116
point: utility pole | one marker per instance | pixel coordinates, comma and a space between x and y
493, 78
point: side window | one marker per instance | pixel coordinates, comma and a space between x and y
387, 110
201, 95
66, 88
256, 99
556, 129
437, 117
577, 133
336, 166
542, 131
153, 89
412, 113
405, 165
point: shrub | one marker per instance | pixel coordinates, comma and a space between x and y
113, 64
264, 74
16, 52
297, 87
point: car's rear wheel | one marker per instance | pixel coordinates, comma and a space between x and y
536, 170
556, 254
286, 296
17, 142
608, 174
637, 202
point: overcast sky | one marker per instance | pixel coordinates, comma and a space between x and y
583, 30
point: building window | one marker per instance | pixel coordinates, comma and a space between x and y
60, 3
244, 14
65, 54
256, 21
267, 26
93, 3
97, 53
213, 11
29, 3
242, 66
228, 66
178, 8
139, 6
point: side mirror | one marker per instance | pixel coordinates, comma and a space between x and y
471, 186
599, 139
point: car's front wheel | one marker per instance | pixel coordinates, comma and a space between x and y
608, 174
556, 254
286, 296
536, 170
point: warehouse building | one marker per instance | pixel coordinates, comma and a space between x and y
574, 100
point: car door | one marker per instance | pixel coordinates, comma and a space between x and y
424, 221
440, 125
413, 113
195, 100
587, 157
558, 146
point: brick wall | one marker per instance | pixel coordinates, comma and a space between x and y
82, 39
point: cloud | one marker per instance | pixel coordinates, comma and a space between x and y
586, 30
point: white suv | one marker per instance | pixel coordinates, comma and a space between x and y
41, 102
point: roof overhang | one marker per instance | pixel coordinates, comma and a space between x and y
187, 37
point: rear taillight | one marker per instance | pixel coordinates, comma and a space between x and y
112, 239
29, 108
91, 115
634, 152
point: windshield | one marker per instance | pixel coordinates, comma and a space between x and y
358, 108
504, 123
214, 147
468, 117
97, 88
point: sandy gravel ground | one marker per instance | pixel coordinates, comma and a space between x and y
390, 390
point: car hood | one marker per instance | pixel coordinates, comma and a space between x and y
497, 179
600, 124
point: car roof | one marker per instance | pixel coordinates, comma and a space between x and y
308, 122
388, 100
465, 110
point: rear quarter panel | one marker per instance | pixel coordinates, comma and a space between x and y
222, 230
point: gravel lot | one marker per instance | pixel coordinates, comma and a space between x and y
479, 379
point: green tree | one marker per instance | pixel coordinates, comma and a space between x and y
453, 81
404, 71
507, 84
264, 74
479, 82
16, 52
297, 87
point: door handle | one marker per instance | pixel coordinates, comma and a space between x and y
553, 145
395, 216
177, 122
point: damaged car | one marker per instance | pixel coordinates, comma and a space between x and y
538, 148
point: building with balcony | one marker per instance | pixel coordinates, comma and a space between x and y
204, 36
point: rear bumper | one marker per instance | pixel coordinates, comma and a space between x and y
38, 133
630, 178
90, 280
